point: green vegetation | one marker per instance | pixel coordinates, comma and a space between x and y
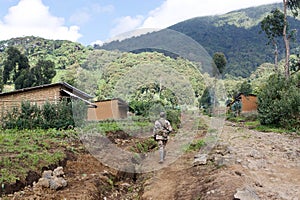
25, 150
17, 70
236, 34
273, 26
129, 126
268, 128
132, 69
279, 100
144, 146
195, 145
220, 61
208, 100
60, 115
62, 52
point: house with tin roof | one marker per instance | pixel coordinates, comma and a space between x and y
41, 94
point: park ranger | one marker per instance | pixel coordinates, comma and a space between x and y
162, 129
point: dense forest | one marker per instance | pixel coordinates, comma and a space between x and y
237, 34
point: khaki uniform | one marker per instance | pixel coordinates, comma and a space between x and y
162, 128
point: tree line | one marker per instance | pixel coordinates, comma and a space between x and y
17, 70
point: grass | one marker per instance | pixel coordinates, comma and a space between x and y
24, 150
144, 146
252, 122
265, 128
195, 145
128, 126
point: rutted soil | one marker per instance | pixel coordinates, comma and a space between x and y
243, 163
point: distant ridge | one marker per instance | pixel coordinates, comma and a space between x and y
236, 34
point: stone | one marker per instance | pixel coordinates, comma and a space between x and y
43, 182
125, 184
255, 154
200, 159
58, 172
47, 174
52, 179
245, 194
57, 183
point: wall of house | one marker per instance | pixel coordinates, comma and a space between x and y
38, 96
107, 110
249, 103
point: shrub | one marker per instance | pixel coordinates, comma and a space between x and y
208, 100
174, 117
50, 115
279, 102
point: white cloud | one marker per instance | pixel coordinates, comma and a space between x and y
32, 17
97, 42
174, 11
126, 24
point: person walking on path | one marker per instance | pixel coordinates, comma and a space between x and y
162, 129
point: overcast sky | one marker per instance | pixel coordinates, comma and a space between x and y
88, 21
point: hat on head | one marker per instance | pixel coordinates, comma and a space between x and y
162, 114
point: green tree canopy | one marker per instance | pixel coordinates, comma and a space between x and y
220, 61
43, 72
273, 26
246, 88
279, 100
293, 6
14, 64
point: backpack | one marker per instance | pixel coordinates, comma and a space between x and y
163, 132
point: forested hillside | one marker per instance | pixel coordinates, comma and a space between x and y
96, 72
62, 52
236, 34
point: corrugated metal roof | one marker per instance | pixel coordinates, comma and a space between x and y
77, 97
49, 85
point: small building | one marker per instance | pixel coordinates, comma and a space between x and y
108, 109
41, 94
248, 102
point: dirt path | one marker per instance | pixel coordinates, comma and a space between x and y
244, 162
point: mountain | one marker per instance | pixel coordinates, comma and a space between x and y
236, 34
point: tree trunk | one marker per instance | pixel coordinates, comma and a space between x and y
286, 41
276, 56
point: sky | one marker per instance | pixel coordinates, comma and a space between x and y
98, 21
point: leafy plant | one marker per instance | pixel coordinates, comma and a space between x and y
195, 145
278, 102
59, 115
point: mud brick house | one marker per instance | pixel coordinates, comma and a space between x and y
41, 94
249, 102
108, 109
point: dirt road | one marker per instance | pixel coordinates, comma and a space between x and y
245, 163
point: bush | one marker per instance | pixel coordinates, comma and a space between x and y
174, 117
208, 100
151, 109
50, 115
279, 102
